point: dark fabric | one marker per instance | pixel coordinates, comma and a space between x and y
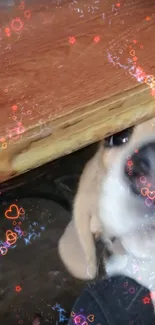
114, 301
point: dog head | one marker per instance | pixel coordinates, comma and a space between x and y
127, 194
116, 197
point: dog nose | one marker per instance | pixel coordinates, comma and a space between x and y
140, 171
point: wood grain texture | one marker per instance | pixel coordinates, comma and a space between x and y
68, 77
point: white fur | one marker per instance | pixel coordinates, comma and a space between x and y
125, 216
126, 265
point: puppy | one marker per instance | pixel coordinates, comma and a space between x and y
116, 201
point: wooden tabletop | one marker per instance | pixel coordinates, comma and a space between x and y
71, 72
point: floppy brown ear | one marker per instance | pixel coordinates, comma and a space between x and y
73, 255
76, 246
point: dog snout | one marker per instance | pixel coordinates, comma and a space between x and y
140, 171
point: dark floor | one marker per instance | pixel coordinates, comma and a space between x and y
32, 277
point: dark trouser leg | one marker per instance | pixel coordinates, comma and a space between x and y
115, 301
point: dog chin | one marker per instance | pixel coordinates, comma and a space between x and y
120, 211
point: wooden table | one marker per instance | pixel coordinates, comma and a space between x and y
71, 72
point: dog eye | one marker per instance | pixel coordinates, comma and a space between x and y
119, 138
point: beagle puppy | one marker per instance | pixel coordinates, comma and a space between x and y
115, 201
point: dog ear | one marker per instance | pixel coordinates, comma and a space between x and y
76, 246
74, 255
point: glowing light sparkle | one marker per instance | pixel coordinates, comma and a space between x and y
17, 24
146, 300
7, 31
96, 39
72, 40
14, 107
61, 311
148, 18
132, 290
118, 4
133, 69
18, 288
17, 215
79, 319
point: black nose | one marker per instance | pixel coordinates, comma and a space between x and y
140, 171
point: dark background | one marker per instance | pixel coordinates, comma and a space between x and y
46, 195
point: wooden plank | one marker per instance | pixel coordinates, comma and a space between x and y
71, 73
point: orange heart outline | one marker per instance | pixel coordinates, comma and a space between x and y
144, 191
91, 318
11, 237
10, 209
149, 195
